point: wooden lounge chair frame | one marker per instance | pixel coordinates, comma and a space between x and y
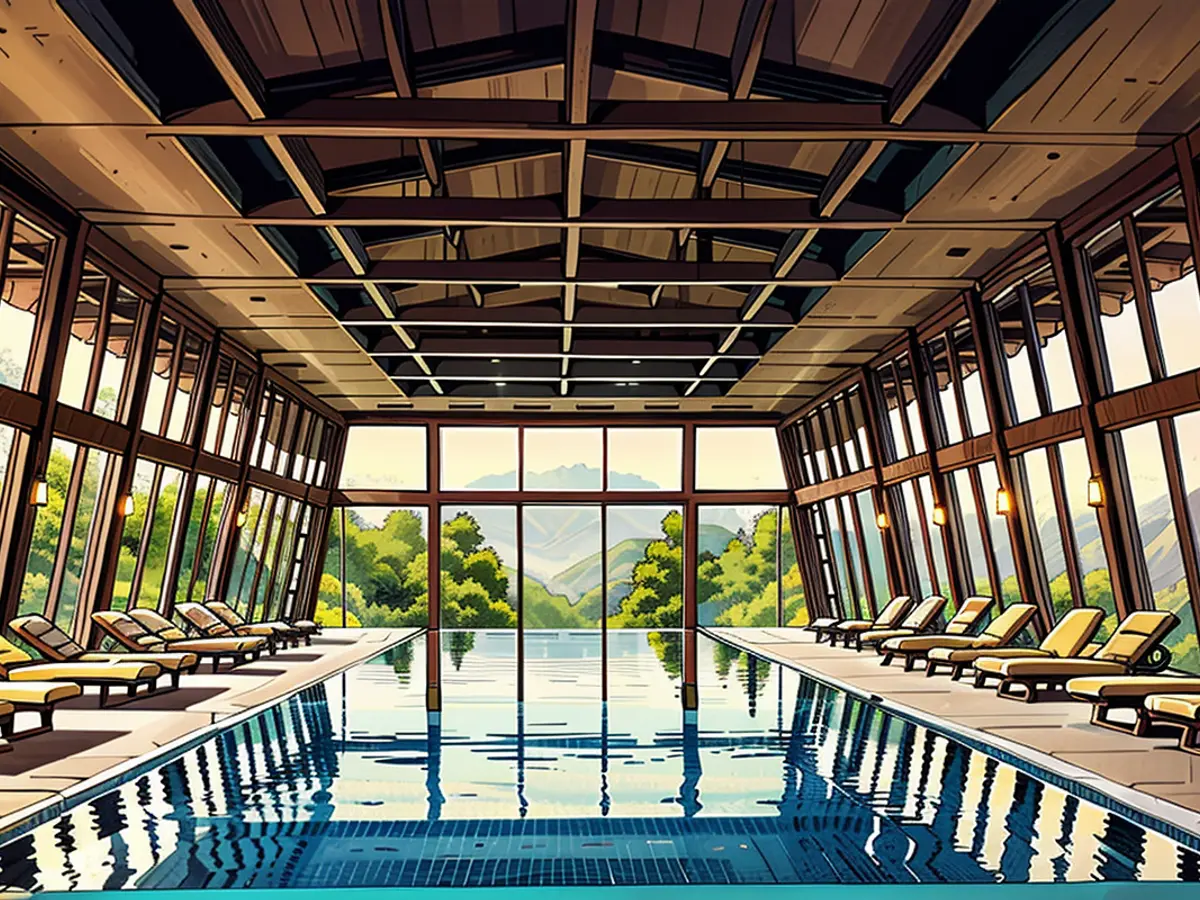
286, 631
972, 610
216, 656
191, 614
1189, 739
1152, 659
927, 622
912, 657
45, 713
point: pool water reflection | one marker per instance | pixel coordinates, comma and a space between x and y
777, 779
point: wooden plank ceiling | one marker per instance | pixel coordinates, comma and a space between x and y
583, 203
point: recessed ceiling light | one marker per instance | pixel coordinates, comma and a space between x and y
637, 362
958, 252
620, 384
501, 384
258, 299
633, 384
495, 362
180, 247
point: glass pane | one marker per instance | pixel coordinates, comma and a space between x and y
231, 439
1014, 346
936, 539
806, 453
1097, 586
47, 529
914, 533
331, 612
21, 298
1036, 468
479, 459
826, 417
218, 403
1050, 324
156, 391
300, 451
245, 554
7, 436
978, 580
1108, 258
161, 529
972, 381
891, 402
185, 388
122, 328
645, 566
220, 515
873, 539
858, 421
645, 459
1171, 271
908, 389
795, 607
287, 436
131, 532
85, 531
479, 565
563, 561
820, 448
861, 600
947, 396
1187, 432
1160, 539
192, 537
847, 581
385, 456
849, 450
81, 339
564, 459
738, 459
735, 578
1006, 567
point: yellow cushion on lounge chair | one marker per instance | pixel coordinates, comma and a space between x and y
171, 662
65, 671
1073, 631
219, 645
968, 614
152, 621
853, 625
1047, 667
1093, 689
823, 622
883, 634
970, 654
6, 709
38, 693
917, 642
1185, 707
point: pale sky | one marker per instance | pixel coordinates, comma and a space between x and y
385, 456
738, 459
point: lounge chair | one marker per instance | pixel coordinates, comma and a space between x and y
1000, 632
34, 696
834, 627
1180, 711
1107, 693
16, 666
1067, 638
846, 629
207, 624
1129, 650
920, 619
146, 630
231, 617
55, 644
7, 713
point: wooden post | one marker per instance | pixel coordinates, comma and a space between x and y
691, 559
433, 642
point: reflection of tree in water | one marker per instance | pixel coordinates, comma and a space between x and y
668, 647
461, 643
752, 672
401, 657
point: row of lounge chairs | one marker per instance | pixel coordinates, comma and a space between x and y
1124, 672
152, 647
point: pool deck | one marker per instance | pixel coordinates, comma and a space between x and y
1150, 774
88, 742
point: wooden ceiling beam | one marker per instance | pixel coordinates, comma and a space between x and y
544, 212
748, 45
396, 43
577, 87
630, 120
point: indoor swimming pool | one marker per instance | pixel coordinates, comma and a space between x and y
776, 780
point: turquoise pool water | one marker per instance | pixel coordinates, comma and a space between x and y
777, 780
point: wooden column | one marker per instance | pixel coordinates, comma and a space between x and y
937, 481
690, 558
1085, 349
874, 419
433, 640
337, 454
60, 286
993, 398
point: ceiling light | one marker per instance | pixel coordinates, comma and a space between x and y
501, 384
495, 362
1003, 502
620, 384
633, 384
127, 506
939, 515
40, 495
257, 299
637, 362
180, 247
1095, 491
882, 521
958, 252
